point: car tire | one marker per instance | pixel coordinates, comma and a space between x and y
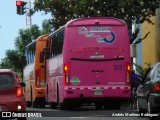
52, 105
139, 110
150, 109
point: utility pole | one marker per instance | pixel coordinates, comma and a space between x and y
23, 9
28, 16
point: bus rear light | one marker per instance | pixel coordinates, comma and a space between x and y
157, 87
19, 91
128, 68
66, 67
66, 73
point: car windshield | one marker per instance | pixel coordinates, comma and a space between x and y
6, 80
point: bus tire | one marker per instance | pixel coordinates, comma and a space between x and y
42, 105
29, 103
41, 102
35, 104
107, 106
52, 105
62, 106
117, 106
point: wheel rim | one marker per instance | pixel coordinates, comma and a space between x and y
149, 108
138, 107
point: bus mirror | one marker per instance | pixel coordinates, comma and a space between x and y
47, 53
41, 59
22, 84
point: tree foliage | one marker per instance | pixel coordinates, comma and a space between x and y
9, 61
141, 70
46, 27
128, 10
64, 10
25, 36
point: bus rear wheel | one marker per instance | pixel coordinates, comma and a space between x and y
52, 105
66, 106
42, 105
62, 106
35, 104
117, 106
29, 103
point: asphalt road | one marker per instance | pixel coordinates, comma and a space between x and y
85, 113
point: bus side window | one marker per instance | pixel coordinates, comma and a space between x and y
47, 49
41, 57
47, 53
52, 47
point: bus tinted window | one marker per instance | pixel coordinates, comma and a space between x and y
30, 53
89, 36
55, 43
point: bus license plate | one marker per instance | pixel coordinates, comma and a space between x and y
98, 92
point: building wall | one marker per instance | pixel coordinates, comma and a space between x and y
150, 45
139, 48
158, 32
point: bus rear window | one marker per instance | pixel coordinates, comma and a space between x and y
99, 36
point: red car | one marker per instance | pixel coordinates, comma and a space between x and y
11, 92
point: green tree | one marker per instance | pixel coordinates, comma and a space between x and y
128, 10
141, 70
10, 61
25, 36
47, 27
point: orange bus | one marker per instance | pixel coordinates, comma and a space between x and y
34, 73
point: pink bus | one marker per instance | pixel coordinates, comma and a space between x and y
88, 61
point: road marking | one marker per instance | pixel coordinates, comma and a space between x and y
77, 117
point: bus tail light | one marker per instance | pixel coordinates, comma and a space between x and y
19, 91
157, 87
128, 68
37, 76
66, 73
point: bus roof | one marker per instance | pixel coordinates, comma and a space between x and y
61, 27
38, 39
97, 21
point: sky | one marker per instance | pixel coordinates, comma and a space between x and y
11, 23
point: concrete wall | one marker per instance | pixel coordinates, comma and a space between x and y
150, 45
